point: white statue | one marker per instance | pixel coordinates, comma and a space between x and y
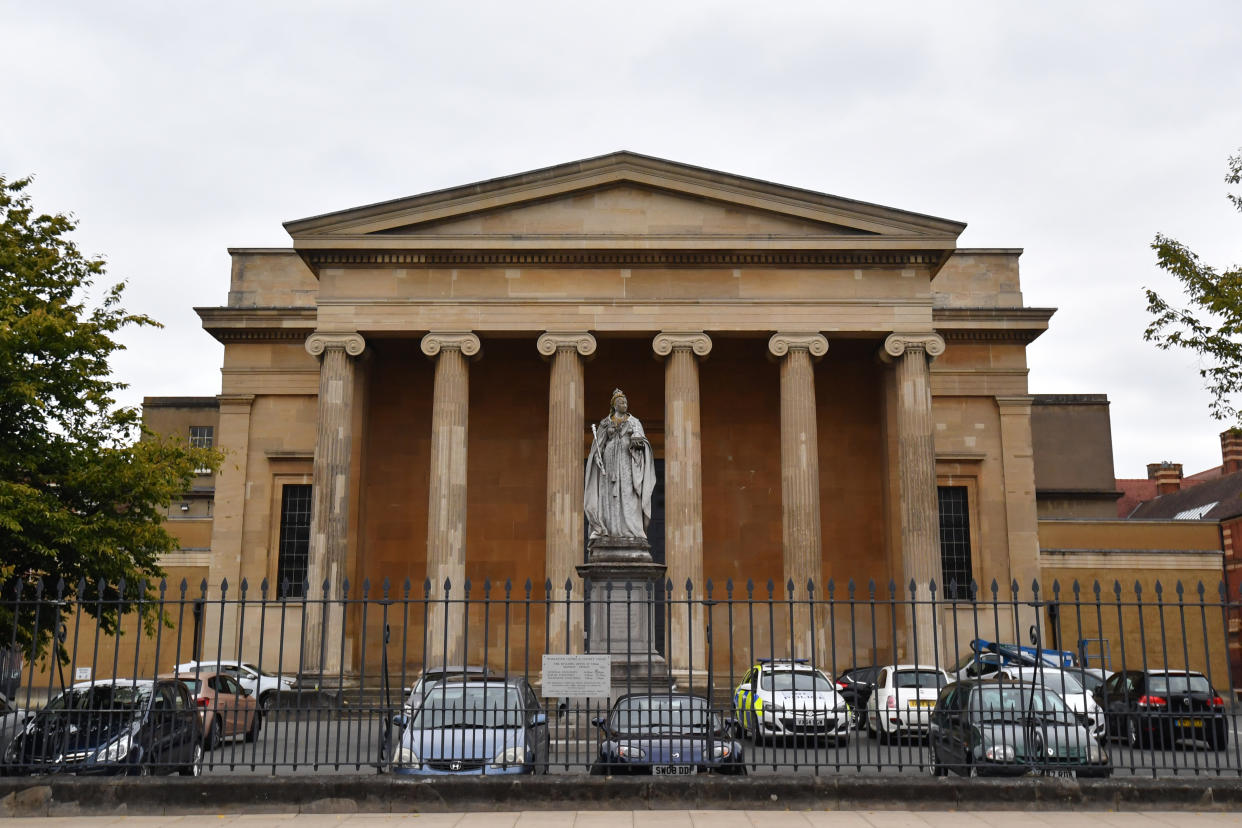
620, 475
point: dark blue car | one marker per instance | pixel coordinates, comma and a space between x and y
479, 726
666, 734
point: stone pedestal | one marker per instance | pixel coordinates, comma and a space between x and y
620, 581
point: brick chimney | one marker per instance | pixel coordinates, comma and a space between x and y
1168, 476
1231, 451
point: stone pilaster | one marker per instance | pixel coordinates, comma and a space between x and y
566, 427
329, 543
1021, 520
683, 496
911, 355
446, 504
233, 440
801, 535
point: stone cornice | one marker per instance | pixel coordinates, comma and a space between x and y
352, 343
668, 341
782, 343
620, 256
551, 341
463, 341
988, 325
898, 343
253, 325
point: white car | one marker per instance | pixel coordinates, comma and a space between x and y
1065, 684
264, 686
902, 700
781, 698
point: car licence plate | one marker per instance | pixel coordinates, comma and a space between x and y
1190, 722
1061, 773
674, 770
922, 703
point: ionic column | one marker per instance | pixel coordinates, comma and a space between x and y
446, 501
566, 427
801, 536
329, 543
683, 495
916, 459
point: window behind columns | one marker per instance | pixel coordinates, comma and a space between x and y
294, 544
955, 564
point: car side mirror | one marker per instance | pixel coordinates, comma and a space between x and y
598, 721
539, 719
400, 720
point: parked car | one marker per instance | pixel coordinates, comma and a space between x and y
228, 710
115, 727
11, 721
264, 686
782, 697
986, 658
1090, 677
855, 685
431, 676
902, 700
665, 734
475, 726
1159, 707
1065, 684
990, 727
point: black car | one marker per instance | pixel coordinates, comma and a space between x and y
855, 686
986, 727
115, 727
1159, 707
666, 734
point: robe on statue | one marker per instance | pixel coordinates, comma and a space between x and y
620, 477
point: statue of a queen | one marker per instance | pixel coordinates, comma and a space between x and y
620, 475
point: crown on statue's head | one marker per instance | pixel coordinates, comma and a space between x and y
616, 392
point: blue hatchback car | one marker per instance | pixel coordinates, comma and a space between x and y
666, 734
474, 726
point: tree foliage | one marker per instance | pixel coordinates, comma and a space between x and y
1211, 323
83, 491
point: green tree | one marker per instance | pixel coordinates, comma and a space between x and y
1211, 323
82, 489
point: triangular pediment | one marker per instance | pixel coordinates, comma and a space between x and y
623, 200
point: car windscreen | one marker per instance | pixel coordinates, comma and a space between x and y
192, 685
921, 679
1008, 704
92, 714
255, 668
661, 716
1160, 683
809, 680
467, 705
1063, 683
1089, 680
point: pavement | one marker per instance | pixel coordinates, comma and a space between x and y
665, 819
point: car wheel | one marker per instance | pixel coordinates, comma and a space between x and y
1218, 738
871, 729
937, 769
215, 735
195, 768
268, 701
255, 725
598, 770
973, 771
1134, 735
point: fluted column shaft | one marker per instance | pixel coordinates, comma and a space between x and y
330, 501
916, 459
446, 501
800, 523
683, 496
564, 537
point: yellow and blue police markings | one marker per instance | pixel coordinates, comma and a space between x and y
750, 697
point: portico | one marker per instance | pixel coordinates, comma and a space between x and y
433, 363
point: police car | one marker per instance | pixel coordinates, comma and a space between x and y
788, 697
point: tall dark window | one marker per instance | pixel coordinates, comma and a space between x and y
294, 551
955, 567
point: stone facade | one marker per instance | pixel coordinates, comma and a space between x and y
429, 363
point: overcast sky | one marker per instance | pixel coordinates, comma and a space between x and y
1074, 130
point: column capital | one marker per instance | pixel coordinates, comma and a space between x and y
897, 344
552, 341
668, 341
320, 341
783, 342
463, 341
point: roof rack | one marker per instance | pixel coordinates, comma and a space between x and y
784, 660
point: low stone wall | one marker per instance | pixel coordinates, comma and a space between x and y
383, 794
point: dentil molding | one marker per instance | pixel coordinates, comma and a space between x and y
463, 341
549, 343
319, 342
897, 344
697, 341
782, 343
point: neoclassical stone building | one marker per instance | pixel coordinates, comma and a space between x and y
408, 388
